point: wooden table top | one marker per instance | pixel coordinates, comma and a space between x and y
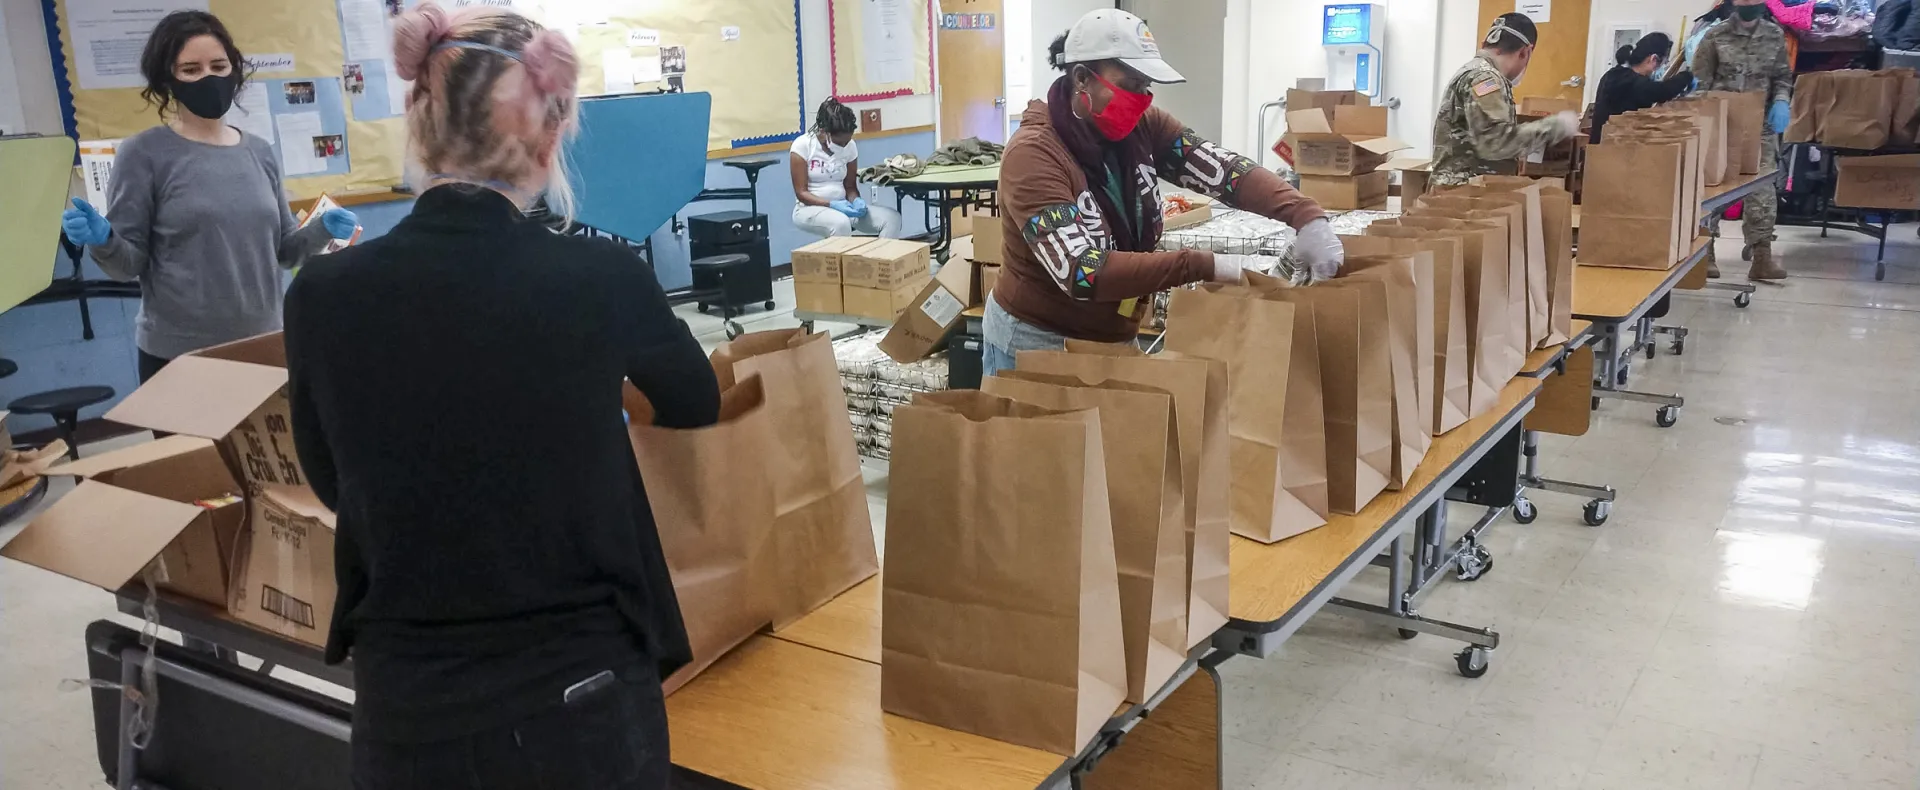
1269, 580
1542, 357
848, 625
1735, 183
777, 715
1607, 294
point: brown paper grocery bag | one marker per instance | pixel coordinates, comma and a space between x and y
1199, 390
1407, 272
1714, 155
1746, 123
1630, 204
1812, 96
1491, 346
1513, 258
712, 500
1861, 112
1356, 375
1141, 439
1001, 599
1275, 418
1452, 364
1556, 225
823, 535
1521, 204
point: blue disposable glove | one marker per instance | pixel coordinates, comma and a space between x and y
1777, 117
340, 223
84, 225
859, 205
844, 207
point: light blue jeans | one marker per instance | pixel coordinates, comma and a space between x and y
1006, 336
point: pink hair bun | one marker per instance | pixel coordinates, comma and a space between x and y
551, 63
415, 33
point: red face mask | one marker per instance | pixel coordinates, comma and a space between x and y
1123, 111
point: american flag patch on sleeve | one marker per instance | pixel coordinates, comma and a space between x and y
1486, 86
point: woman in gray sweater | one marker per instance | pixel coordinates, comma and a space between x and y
196, 211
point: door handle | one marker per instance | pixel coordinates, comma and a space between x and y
1000, 101
1575, 81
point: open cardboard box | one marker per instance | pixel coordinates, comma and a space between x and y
228, 407
1345, 140
168, 505
934, 313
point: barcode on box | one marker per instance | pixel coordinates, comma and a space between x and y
293, 609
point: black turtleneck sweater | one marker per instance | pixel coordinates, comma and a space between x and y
456, 401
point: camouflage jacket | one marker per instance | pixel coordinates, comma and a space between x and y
1476, 131
1755, 60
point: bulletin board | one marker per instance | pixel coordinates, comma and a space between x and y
299, 55
746, 53
881, 48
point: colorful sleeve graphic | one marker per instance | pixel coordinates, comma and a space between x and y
1063, 244
1196, 163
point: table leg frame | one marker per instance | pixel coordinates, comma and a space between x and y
1613, 362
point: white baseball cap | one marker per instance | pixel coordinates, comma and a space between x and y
1110, 34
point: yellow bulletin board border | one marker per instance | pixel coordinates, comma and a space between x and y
846, 27
310, 31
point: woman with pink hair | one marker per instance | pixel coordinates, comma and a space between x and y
456, 393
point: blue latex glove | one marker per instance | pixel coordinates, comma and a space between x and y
859, 205
84, 225
1777, 117
844, 207
340, 223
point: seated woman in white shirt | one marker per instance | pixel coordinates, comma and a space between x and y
826, 196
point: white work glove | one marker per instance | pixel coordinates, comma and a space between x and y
1318, 247
1229, 268
1569, 123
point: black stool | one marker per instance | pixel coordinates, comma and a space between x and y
64, 406
713, 273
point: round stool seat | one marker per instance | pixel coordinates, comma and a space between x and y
71, 399
721, 262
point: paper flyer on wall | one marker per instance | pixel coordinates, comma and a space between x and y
109, 35
320, 207
372, 83
304, 119
887, 30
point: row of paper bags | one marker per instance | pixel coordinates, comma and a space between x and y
1338, 389
1858, 109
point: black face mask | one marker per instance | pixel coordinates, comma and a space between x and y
1748, 13
209, 97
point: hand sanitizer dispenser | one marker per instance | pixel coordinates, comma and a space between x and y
1354, 35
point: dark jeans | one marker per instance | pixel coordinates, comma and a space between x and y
613, 739
150, 365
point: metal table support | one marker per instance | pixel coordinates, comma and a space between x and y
1412, 571
1599, 497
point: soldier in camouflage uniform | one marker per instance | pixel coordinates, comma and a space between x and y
1748, 53
1475, 131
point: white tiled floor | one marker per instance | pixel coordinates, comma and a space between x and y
1742, 621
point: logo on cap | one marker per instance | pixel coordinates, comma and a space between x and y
1146, 39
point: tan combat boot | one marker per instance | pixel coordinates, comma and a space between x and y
1713, 262
1764, 267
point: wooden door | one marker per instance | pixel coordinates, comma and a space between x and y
1559, 68
973, 66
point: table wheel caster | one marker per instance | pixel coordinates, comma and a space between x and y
1595, 406
1666, 416
702, 307
1473, 661
1595, 512
734, 330
767, 305
1679, 348
1742, 299
1406, 633
1652, 349
1523, 511
1620, 378
1474, 564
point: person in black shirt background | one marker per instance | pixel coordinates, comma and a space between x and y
456, 395
1630, 85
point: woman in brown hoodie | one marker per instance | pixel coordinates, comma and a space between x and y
1080, 198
